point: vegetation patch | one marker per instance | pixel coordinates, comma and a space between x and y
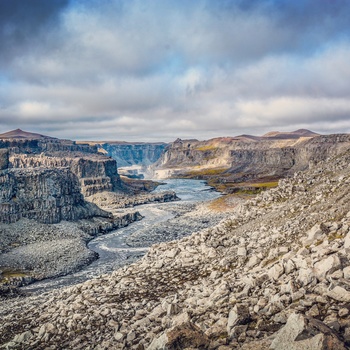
224, 203
242, 188
207, 148
206, 172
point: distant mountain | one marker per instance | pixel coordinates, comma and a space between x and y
290, 135
20, 134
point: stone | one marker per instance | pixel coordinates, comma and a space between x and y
275, 271
182, 318
340, 294
23, 337
326, 266
242, 251
347, 241
346, 272
118, 336
131, 336
305, 276
239, 315
302, 333
343, 312
184, 336
315, 233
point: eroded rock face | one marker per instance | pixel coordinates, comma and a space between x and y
45, 195
4, 159
96, 172
252, 156
127, 154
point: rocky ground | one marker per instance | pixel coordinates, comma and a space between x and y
188, 218
276, 275
30, 250
115, 200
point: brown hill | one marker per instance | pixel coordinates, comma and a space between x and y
290, 135
20, 134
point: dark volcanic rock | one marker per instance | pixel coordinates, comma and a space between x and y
46, 195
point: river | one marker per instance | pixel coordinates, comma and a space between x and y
112, 249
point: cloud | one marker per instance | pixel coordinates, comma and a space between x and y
165, 69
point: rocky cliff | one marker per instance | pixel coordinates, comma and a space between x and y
128, 154
247, 157
274, 276
45, 195
96, 172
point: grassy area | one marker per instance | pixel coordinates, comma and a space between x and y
206, 148
8, 274
242, 188
206, 172
224, 203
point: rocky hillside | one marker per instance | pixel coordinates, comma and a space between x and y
276, 275
246, 158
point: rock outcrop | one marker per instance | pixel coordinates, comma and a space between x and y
277, 272
128, 154
45, 195
247, 157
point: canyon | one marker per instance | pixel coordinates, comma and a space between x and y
47, 191
230, 163
270, 270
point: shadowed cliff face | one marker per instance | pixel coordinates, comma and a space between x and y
134, 154
95, 172
45, 195
246, 157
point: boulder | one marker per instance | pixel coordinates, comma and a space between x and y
340, 294
326, 266
315, 233
184, 336
304, 333
239, 315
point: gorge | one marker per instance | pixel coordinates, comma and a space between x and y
253, 271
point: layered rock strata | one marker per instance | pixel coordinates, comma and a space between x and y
274, 276
128, 154
45, 195
247, 157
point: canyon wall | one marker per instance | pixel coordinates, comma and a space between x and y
128, 154
246, 157
45, 195
96, 172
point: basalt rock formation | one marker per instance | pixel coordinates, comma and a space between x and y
127, 154
276, 275
245, 157
96, 172
45, 195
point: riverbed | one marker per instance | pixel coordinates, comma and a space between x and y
160, 223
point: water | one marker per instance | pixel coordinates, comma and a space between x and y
112, 249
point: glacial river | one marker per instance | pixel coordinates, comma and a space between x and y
112, 249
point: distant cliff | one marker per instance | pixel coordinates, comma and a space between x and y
248, 157
128, 154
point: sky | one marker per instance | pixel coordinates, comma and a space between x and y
156, 70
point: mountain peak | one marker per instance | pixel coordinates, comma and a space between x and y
290, 135
20, 134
